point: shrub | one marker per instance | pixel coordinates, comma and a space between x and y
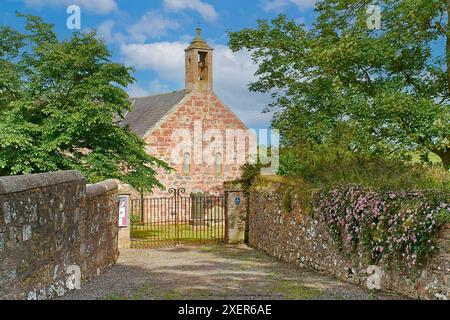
397, 227
249, 172
327, 167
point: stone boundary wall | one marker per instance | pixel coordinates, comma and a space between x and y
55, 232
296, 237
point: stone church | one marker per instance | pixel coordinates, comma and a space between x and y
192, 129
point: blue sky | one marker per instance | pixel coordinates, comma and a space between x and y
150, 35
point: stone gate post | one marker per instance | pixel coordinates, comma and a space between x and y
237, 213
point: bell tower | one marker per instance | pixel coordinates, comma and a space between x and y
199, 65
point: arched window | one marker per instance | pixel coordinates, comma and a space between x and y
218, 163
187, 163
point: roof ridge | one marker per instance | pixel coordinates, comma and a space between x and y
158, 94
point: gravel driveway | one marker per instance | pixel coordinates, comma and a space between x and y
217, 272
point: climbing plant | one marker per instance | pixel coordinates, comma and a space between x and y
397, 227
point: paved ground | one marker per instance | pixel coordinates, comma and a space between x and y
218, 272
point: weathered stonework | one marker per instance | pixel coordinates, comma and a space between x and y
237, 207
52, 225
205, 109
296, 237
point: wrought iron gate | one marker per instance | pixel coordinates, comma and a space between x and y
178, 220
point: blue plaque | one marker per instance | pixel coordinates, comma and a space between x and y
237, 200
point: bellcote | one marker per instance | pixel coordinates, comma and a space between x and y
199, 65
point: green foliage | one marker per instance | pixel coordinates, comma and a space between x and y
324, 166
249, 172
389, 87
60, 106
441, 216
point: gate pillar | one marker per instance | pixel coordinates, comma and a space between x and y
236, 206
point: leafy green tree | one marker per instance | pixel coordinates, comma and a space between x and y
60, 107
390, 86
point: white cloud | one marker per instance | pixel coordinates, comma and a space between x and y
151, 25
206, 10
277, 5
93, 6
164, 58
134, 90
232, 73
105, 32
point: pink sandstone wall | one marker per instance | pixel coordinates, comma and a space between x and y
203, 177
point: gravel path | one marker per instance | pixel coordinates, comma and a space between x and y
217, 272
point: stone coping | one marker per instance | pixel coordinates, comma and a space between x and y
95, 190
233, 185
13, 184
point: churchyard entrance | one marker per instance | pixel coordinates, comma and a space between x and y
177, 219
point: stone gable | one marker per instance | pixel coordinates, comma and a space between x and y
195, 108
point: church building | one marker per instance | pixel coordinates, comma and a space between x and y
192, 129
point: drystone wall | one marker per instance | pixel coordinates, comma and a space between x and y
299, 238
55, 233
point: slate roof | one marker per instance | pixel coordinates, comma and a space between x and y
147, 111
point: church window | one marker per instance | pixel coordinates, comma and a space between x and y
218, 164
187, 163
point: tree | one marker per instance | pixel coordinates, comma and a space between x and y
60, 107
390, 87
